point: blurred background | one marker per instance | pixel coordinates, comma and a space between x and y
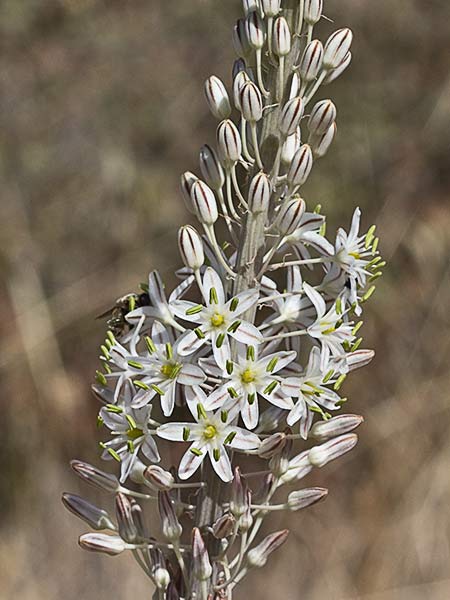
101, 109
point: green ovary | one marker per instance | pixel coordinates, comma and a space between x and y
210, 432
248, 376
170, 370
134, 433
217, 320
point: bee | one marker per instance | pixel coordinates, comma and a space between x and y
116, 315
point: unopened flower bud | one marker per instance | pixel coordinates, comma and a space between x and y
300, 167
250, 6
239, 81
238, 498
187, 180
211, 168
240, 39
158, 478
290, 147
313, 11
359, 358
303, 498
269, 419
311, 61
238, 66
205, 203
271, 7
137, 515
337, 72
262, 495
224, 526
290, 215
254, 27
323, 115
137, 471
201, 565
191, 250
259, 193
171, 527
279, 463
246, 519
97, 478
323, 430
250, 102
101, 542
298, 467
162, 578
229, 143
290, 116
95, 517
323, 454
321, 143
272, 445
337, 47
217, 98
257, 557
127, 528
281, 37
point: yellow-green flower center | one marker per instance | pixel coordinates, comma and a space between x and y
170, 370
355, 255
217, 320
248, 376
210, 432
134, 433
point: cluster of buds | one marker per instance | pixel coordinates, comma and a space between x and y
247, 355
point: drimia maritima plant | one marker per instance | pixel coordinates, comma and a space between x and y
240, 366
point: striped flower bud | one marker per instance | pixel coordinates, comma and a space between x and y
224, 526
359, 358
290, 116
138, 519
250, 6
279, 463
240, 39
229, 143
311, 61
204, 202
271, 7
313, 11
263, 493
95, 477
246, 519
127, 528
101, 542
323, 454
156, 476
337, 47
187, 180
238, 498
217, 98
254, 27
201, 566
320, 144
323, 430
337, 72
290, 215
257, 557
239, 81
162, 578
238, 66
295, 86
323, 115
272, 445
270, 419
259, 193
298, 467
300, 167
290, 147
303, 498
281, 37
250, 101
171, 527
211, 168
95, 517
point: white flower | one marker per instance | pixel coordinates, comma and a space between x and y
211, 434
218, 320
311, 391
308, 235
248, 378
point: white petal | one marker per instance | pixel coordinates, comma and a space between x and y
190, 462
316, 299
180, 307
168, 399
210, 366
212, 280
144, 311
294, 281
223, 353
189, 343
250, 413
244, 440
284, 358
150, 450
173, 431
160, 335
318, 242
305, 423
248, 334
222, 466
181, 288
156, 289
277, 398
191, 375
194, 396
297, 412
246, 299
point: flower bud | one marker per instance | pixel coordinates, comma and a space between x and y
187, 180
201, 565
95, 517
295, 86
156, 476
323, 430
127, 528
323, 115
306, 497
291, 115
323, 454
171, 527
101, 542
224, 526
191, 250
311, 61
272, 445
246, 519
204, 202
269, 419
97, 478
239, 81
320, 144
279, 463
359, 358
337, 72
254, 27
257, 557
250, 102
238, 66
313, 11
300, 167
259, 193
290, 147
137, 515
281, 37
298, 467
250, 6
217, 98
262, 495
238, 497
337, 47
240, 39
271, 7
162, 578
229, 143
211, 168
290, 215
